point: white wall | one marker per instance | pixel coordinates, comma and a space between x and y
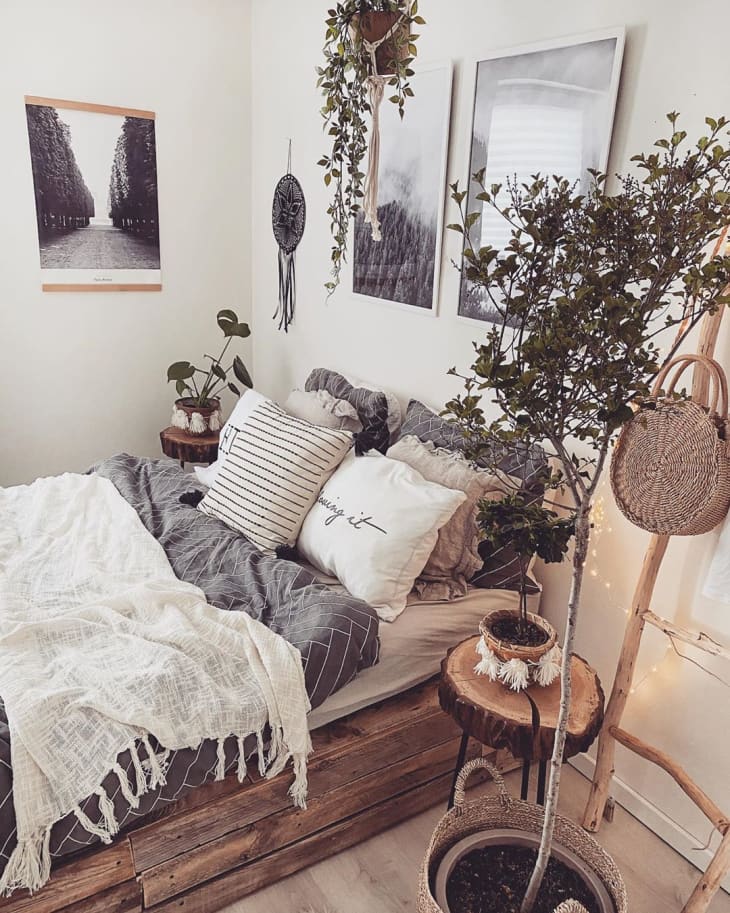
83, 375
675, 59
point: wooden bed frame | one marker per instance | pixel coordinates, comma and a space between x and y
225, 840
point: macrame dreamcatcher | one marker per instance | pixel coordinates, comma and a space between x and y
516, 673
288, 217
376, 85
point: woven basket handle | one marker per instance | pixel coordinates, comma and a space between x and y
717, 375
467, 770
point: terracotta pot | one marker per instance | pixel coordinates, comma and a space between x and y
515, 837
504, 650
373, 26
196, 420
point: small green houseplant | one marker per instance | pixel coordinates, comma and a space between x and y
346, 82
198, 408
586, 290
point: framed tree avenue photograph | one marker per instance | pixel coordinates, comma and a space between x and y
539, 109
404, 266
95, 184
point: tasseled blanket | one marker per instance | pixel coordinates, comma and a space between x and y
102, 646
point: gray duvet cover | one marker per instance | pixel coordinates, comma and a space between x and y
337, 635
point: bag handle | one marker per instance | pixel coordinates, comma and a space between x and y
466, 771
717, 375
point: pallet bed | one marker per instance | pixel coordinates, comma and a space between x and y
226, 840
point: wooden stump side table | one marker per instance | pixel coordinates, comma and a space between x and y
523, 722
189, 448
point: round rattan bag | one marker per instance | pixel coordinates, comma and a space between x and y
502, 811
670, 471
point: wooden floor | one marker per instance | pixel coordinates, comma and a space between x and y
379, 876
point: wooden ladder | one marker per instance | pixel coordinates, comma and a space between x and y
639, 616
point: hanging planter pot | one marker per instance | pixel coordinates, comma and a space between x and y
585, 877
370, 45
387, 33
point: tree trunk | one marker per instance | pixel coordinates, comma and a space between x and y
582, 536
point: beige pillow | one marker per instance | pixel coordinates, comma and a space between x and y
455, 559
320, 407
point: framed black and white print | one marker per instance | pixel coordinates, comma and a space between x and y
404, 267
545, 109
95, 184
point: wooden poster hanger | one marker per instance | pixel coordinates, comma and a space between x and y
639, 616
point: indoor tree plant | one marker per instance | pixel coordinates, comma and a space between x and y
587, 287
369, 48
198, 408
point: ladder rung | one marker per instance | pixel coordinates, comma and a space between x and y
678, 774
696, 638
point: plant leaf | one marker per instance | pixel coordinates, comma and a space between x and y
228, 322
239, 369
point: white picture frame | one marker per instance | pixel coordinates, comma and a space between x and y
421, 139
593, 63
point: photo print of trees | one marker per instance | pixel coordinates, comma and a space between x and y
404, 266
95, 181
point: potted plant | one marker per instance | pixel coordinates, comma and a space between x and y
587, 288
369, 48
518, 647
199, 411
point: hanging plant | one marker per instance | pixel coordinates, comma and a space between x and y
369, 49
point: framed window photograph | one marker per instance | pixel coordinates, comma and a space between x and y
544, 109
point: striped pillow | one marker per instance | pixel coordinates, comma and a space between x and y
272, 475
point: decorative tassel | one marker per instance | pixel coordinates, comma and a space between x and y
106, 810
155, 764
139, 771
220, 768
548, 667
286, 552
198, 424
376, 85
97, 830
126, 786
490, 664
29, 865
515, 674
179, 419
191, 498
242, 770
287, 289
261, 756
214, 421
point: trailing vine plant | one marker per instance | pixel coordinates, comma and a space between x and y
344, 83
586, 291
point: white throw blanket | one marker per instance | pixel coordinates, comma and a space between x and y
101, 646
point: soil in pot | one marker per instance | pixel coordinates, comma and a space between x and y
511, 631
494, 879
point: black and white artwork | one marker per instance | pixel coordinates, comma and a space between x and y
544, 109
404, 266
95, 182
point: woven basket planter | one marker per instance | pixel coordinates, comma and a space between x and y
506, 650
670, 472
502, 811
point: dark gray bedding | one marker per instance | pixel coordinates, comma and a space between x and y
337, 635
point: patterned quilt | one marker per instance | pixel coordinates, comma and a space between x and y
336, 634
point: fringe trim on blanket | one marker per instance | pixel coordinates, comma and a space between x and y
29, 865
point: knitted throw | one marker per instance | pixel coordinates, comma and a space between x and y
102, 646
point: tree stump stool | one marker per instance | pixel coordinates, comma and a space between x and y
523, 722
189, 448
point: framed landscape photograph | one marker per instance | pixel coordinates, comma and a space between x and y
404, 267
95, 183
545, 109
